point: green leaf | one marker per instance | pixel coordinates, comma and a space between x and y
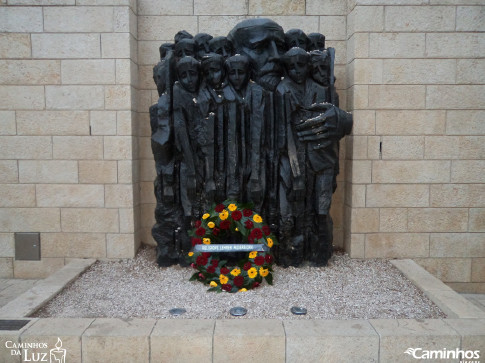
269, 279
194, 276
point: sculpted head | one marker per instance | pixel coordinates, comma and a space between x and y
263, 42
202, 44
212, 68
297, 64
183, 34
237, 70
222, 46
188, 73
316, 41
184, 48
296, 38
320, 67
160, 76
164, 49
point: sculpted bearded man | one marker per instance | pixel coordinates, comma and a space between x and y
262, 41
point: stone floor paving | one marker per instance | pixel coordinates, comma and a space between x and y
477, 299
12, 288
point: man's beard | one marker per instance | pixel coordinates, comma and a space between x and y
269, 76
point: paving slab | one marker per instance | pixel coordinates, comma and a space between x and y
453, 304
57, 332
472, 333
117, 340
258, 340
183, 340
8, 339
331, 341
399, 336
10, 289
44, 290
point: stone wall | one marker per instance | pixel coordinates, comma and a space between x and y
68, 73
415, 185
76, 84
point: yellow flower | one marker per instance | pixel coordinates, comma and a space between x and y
223, 279
243, 289
252, 273
253, 254
236, 271
206, 241
213, 284
236, 229
191, 254
211, 225
257, 218
232, 207
270, 242
223, 215
206, 215
263, 271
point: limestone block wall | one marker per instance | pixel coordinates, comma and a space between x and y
68, 167
75, 158
160, 20
416, 170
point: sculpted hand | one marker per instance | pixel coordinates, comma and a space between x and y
210, 188
167, 196
191, 184
322, 128
255, 190
298, 188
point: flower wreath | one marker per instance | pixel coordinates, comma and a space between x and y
215, 227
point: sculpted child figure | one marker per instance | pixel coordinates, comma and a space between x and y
246, 122
211, 106
186, 118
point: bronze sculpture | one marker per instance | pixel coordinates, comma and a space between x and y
253, 117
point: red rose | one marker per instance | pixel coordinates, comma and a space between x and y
206, 255
239, 281
247, 266
201, 261
196, 241
259, 260
255, 284
268, 259
193, 265
201, 276
224, 270
247, 212
216, 231
225, 224
226, 287
197, 224
266, 230
236, 215
256, 233
200, 232
215, 262
211, 269
248, 224
219, 208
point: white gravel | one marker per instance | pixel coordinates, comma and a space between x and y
346, 289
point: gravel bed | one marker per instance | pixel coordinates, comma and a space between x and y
345, 289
